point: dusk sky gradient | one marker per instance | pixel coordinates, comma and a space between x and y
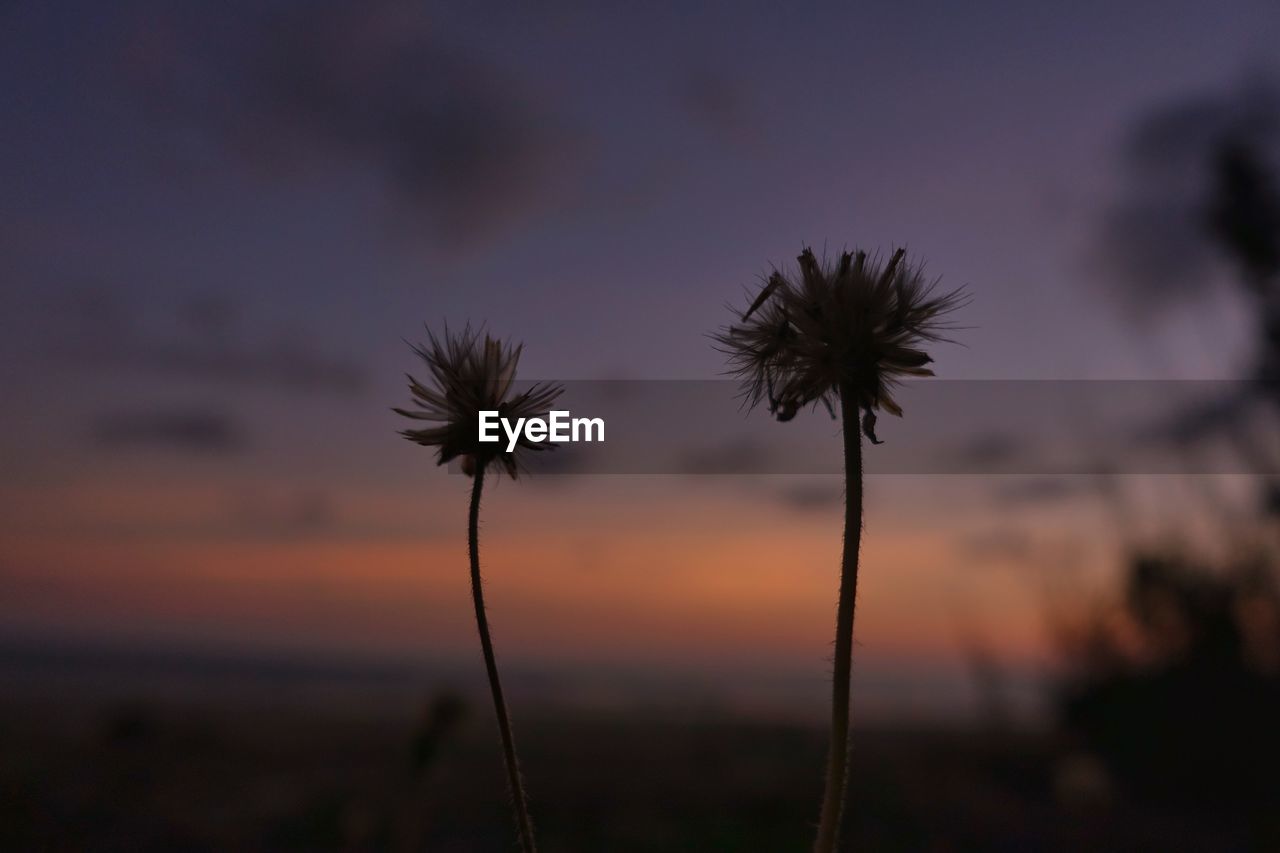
221, 222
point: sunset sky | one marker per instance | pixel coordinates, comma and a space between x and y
221, 223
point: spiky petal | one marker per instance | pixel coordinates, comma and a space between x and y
470, 372
858, 324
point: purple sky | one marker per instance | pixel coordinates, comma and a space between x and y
220, 220
596, 180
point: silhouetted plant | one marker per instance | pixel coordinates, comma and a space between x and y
435, 729
845, 333
470, 374
1177, 687
1175, 683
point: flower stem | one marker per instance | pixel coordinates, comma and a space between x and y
491, 667
838, 757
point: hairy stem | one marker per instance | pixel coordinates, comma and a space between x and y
491, 667
838, 757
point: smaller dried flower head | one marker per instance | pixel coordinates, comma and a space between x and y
470, 373
857, 326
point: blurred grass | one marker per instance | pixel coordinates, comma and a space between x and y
167, 777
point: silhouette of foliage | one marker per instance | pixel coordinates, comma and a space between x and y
441, 718
1179, 690
1244, 213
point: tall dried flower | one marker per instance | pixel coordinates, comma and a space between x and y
845, 333
468, 375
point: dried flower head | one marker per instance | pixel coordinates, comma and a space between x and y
858, 325
472, 372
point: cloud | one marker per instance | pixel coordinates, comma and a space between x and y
200, 339
377, 86
813, 496
195, 431
1155, 245
302, 512
1011, 547
1200, 420
716, 104
741, 456
1232, 416
999, 545
1039, 491
551, 465
987, 451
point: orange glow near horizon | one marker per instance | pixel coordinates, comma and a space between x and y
661, 576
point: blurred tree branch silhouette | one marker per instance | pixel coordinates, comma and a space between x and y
1178, 689
1175, 684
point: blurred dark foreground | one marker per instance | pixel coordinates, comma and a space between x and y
168, 776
